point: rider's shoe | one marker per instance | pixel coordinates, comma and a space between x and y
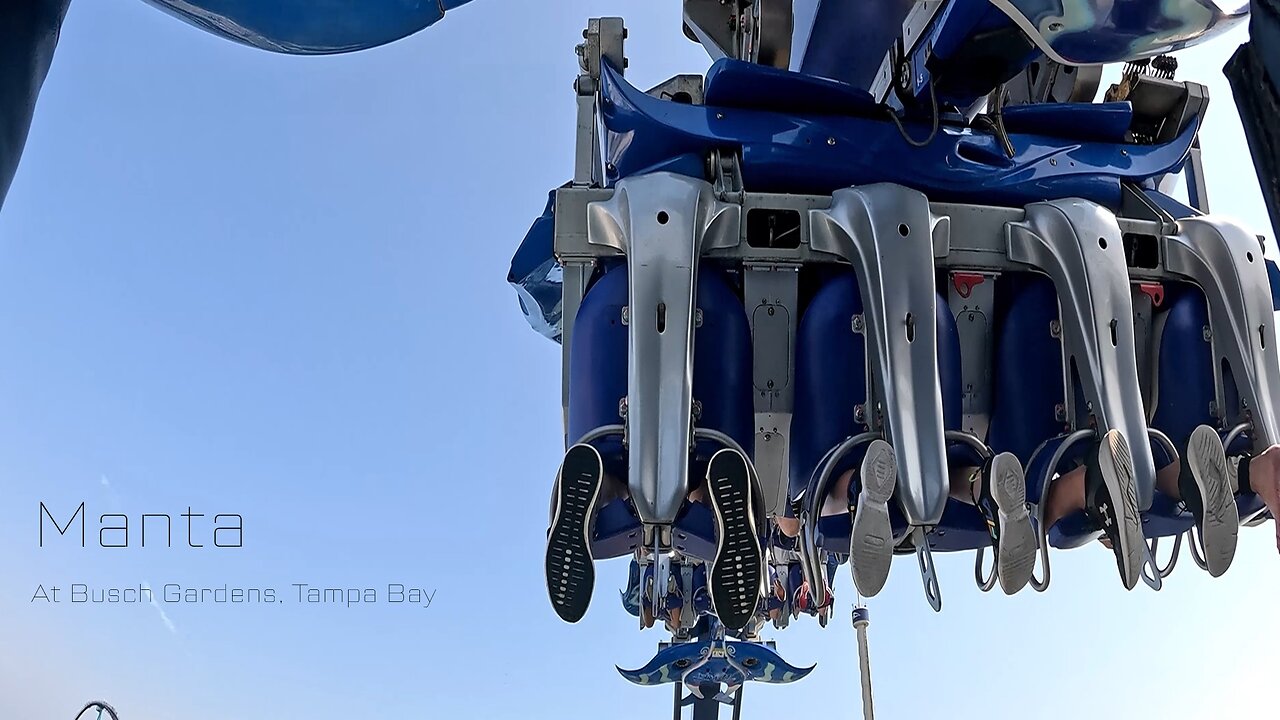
1209, 493
1002, 498
871, 537
571, 574
737, 572
1111, 501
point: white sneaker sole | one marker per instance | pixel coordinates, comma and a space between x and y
1220, 531
1017, 539
871, 538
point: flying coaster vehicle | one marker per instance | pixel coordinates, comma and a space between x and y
888, 280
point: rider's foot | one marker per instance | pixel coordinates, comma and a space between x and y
737, 571
1111, 501
871, 538
1262, 476
571, 575
1002, 498
1209, 493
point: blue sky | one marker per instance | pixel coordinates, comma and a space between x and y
276, 287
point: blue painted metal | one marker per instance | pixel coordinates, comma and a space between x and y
310, 27
1083, 32
837, 152
28, 37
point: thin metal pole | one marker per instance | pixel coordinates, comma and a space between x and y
861, 619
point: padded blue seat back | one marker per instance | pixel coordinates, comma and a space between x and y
1027, 372
1184, 373
831, 376
722, 364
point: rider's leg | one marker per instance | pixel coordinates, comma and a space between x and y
1104, 488
1028, 371
1261, 475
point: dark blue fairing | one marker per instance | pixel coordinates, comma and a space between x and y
1274, 273
310, 27
28, 36
793, 152
738, 84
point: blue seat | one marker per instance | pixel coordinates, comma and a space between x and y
1029, 372
1185, 379
598, 384
831, 377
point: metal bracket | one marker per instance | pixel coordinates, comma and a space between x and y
771, 293
602, 42
726, 169
759, 31
971, 297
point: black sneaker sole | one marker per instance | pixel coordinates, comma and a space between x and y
737, 570
571, 574
1220, 525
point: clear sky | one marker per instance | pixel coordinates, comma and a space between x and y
275, 286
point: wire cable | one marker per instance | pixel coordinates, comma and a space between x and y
937, 120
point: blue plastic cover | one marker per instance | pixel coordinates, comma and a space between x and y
738, 84
1092, 122
536, 276
811, 153
310, 27
1084, 32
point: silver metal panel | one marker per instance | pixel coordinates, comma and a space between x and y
1144, 347
771, 295
1225, 260
886, 232
576, 275
1079, 245
662, 222
973, 313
